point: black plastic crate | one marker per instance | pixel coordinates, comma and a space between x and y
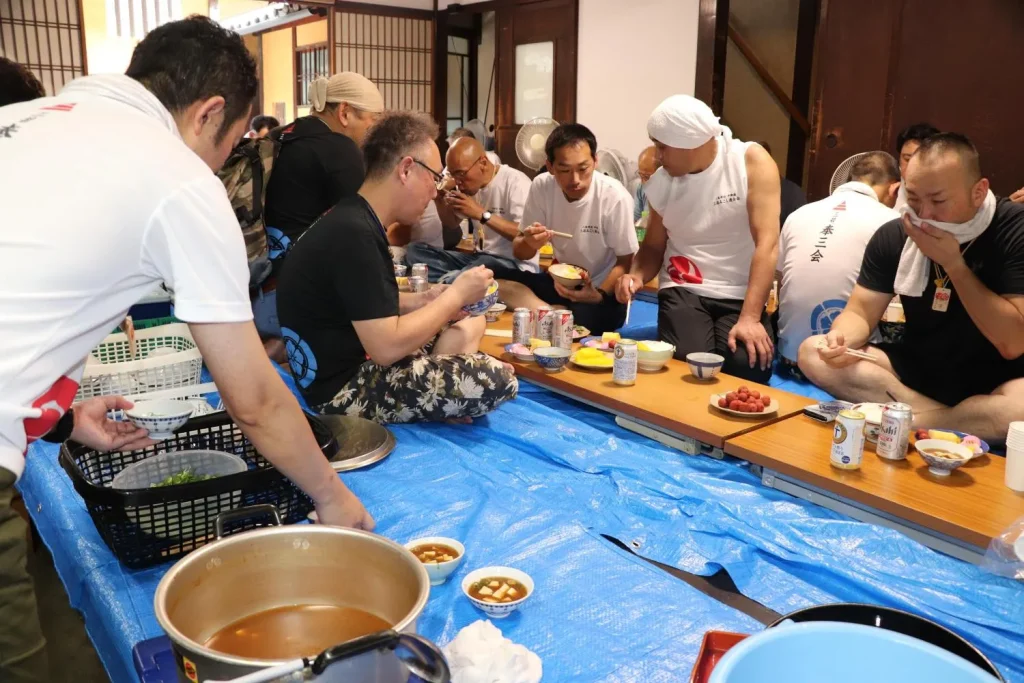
151, 526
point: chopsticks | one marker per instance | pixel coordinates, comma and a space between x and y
564, 235
853, 352
629, 304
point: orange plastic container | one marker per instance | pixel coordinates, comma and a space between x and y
714, 647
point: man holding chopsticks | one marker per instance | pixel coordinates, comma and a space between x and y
588, 219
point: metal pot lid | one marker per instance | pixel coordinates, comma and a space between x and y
361, 442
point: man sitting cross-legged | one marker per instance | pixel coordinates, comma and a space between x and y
357, 346
960, 277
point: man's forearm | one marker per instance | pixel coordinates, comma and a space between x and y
998, 319
414, 330
449, 218
856, 331
503, 227
647, 262
410, 301
759, 283
521, 250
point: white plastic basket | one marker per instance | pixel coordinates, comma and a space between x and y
109, 369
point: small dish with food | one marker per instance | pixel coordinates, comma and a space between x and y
704, 366
569, 276
160, 417
440, 555
498, 591
979, 447
651, 356
551, 358
521, 352
493, 313
942, 456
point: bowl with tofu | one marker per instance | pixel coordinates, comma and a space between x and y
440, 556
497, 591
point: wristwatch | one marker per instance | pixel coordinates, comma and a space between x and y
485, 216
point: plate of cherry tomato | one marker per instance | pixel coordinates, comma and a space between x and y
745, 402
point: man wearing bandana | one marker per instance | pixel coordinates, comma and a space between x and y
956, 258
713, 238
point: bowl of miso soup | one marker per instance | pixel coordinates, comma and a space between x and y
440, 555
498, 591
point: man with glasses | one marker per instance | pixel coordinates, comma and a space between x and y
355, 344
492, 196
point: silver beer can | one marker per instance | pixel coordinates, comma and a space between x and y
419, 270
561, 329
543, 322
624, 366
522, 326
848, 440
418, 283
400, 270
894, 434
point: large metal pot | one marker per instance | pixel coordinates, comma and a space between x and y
259, 570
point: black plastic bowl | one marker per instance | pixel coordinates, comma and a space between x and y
894, 620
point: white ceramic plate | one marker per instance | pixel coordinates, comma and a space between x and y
769, 409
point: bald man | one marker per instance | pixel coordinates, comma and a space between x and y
960, 278
646, 166
492, 196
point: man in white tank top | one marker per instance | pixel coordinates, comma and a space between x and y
713, 239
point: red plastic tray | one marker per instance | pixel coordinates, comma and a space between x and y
715, 645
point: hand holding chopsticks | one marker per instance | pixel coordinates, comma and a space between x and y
850, 352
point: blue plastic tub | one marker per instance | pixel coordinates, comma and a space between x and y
841, 653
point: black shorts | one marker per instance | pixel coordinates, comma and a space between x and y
598, 318
947, 383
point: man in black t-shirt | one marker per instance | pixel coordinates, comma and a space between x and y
355, 344
961, 282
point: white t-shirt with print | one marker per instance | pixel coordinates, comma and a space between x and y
102, 202
504, 196
601, 223
820, 254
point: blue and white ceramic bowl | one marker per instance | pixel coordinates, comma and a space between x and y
941, 466
551, 358
704, 365
503, 609
480, 307
160, 417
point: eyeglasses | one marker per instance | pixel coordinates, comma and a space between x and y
438, 178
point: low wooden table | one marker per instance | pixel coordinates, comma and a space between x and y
670, 402
958, 514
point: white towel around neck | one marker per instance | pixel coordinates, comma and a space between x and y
915, 268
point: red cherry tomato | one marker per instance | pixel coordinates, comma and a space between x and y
766, 400
759, 406
755, 394
735, 405
743, 389
723, 403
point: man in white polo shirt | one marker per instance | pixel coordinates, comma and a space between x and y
713, 236
93, 225
492, 196
597, 211
822, 246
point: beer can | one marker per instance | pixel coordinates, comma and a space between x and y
561, 329
894, 435
419, 270
624, 367
418, 283
400, 270
522, 326
543, 321
848, 440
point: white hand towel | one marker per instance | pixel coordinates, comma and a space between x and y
481, 654
915, 268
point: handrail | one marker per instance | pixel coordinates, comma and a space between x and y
748, 52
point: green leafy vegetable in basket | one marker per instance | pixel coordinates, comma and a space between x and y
186, 476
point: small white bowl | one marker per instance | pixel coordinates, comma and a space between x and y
558, 273
439, 571
941, 467
655, 357
160, 417
503, 609
493, 313
704, 366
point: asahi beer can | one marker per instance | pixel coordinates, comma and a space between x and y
561, 329
419, 270
894, 435
522, 326
543, 322
418, 283
848, 440
624, 367
400, 270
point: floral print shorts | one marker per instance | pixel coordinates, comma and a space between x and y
426, 388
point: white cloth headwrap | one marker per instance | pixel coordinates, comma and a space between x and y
684, 122
915, 268
348, 86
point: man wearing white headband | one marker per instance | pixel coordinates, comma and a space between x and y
713, 235
960, 277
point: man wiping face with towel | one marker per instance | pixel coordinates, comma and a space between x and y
956, 258
712, 239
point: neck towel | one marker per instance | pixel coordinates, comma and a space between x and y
915, 268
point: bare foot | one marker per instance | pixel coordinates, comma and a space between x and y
460, 421
508, 366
